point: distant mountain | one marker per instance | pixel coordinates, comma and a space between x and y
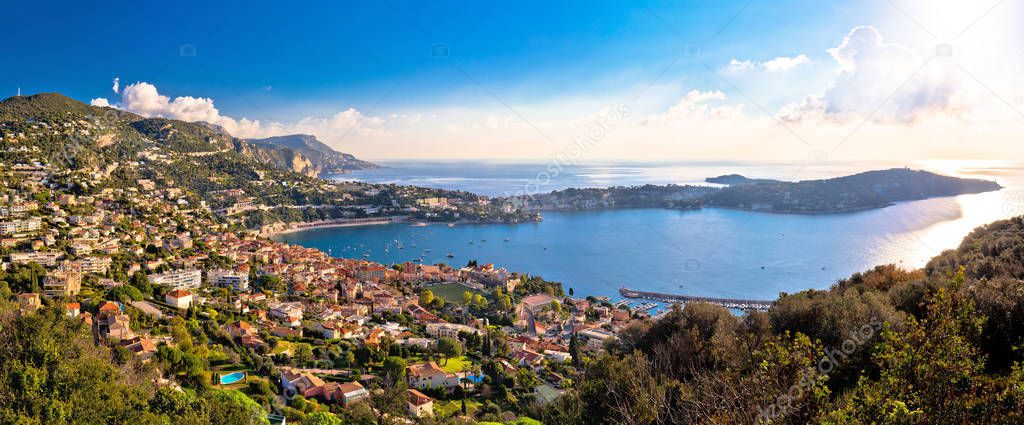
324, 159
872, 189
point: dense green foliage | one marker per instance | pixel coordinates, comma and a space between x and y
51, 371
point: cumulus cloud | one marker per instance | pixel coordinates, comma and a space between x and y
890, 83
117, 85
100, 101
695, 105
144, 99
779, 64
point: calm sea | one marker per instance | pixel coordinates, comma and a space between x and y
710, 252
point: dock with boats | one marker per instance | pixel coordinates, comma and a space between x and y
739, 304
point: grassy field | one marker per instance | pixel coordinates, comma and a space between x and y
456, 364
452, 291
282, 346
446, 408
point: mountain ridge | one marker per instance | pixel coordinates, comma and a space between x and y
323, 158
181, 136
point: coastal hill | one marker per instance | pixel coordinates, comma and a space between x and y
324, 159
872, 189
259, 183
736, 179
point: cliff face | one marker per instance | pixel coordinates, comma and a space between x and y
282, 158
325, 159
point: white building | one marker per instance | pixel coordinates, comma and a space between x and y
448, 330
44, 258
20, 226
290, 314
179, 298
95, 264
238, 282
429, 375
181, 279
419, 404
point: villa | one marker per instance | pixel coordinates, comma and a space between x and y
420, 404
429, 375
179, 298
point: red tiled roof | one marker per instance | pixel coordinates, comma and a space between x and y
179, 293
417, 398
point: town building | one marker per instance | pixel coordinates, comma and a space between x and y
429, 375
179, 298
63, 283
181, 279
15, 227
238, 282
420, 405
448, 330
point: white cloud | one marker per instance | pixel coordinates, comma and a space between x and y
100, 101
890, 83
695, 105
117, 85
144, 99
779, 64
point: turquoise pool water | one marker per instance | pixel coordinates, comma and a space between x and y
231, 378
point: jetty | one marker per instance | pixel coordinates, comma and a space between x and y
738, 304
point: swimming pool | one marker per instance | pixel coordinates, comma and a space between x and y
231, 378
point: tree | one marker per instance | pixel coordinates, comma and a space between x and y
525, 378
504, 303
234, 407
141, 281
449, 347
556, 307
389, 400
479, 301
303, 353
350, 358
321, 418
394, 367
467, 297
933, 371
426, 297
125, 293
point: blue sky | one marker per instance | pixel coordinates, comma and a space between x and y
354, 52
533, 61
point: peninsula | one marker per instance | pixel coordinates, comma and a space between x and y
868, 190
